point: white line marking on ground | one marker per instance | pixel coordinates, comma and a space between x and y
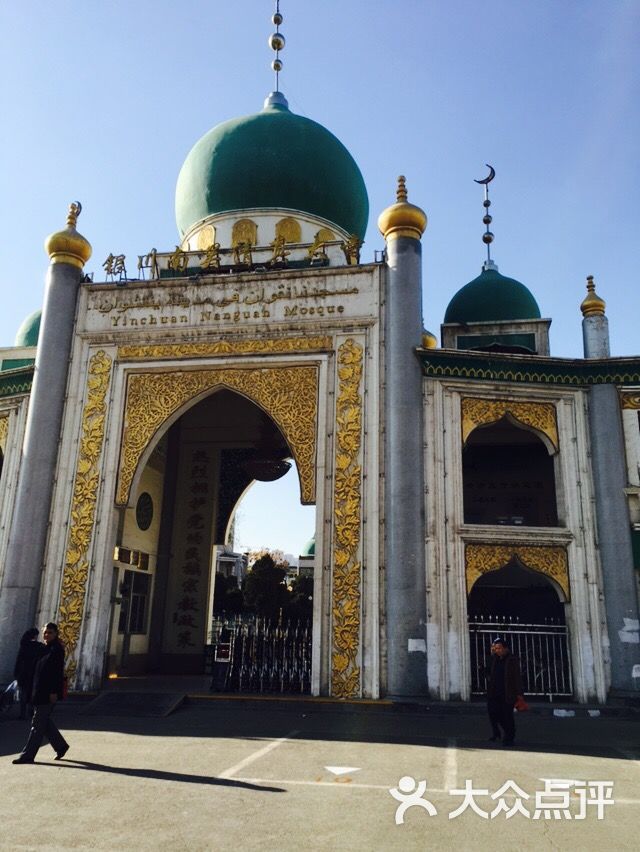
342, 770
256, 755
450, 765
335, 785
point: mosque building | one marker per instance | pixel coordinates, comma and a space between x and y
462, 486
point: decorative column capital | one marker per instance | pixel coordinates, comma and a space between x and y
592, 304
402, 219
69, 246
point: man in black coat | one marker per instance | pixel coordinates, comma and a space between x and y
503, 688
48, 688
28, 655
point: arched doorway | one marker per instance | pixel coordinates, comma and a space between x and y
177, 535
527, 608
508, 477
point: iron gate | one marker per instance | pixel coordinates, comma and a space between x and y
253, 654
543, 651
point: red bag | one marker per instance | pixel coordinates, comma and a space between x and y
521, 705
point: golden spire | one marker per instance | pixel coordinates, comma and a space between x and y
592, 304
69, 246
402, 219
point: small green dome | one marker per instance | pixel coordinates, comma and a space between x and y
273, 158
29, 330
310, 548
492, 297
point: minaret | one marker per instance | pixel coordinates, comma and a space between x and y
612, 512
402, 225
68, 252
595, 325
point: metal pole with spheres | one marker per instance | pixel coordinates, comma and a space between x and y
276, 43
487, 237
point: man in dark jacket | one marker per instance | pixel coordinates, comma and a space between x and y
48, 688
28, 655
503, 688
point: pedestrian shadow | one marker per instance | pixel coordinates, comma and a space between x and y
160, 775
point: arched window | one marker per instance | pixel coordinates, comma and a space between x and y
206, 237
290, 229
508, 477
244, 231
516, 592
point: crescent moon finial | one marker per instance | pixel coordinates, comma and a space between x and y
487, 237
492, 174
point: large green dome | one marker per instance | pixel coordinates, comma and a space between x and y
29, 331
492, 297
273, 158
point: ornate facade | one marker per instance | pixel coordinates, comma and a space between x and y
482, 486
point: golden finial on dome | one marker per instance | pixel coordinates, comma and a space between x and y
69, 246
402, 219
75, 209
592, 304
429, 340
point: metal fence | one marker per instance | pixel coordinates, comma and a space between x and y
255, 655
543, 651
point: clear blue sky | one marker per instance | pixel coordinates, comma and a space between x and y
101, 102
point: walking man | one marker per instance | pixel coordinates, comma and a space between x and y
503, 688
28, 655
48, 680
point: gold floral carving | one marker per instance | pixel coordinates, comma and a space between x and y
4, 431
225, 347
288, 394
630, 400
345, 671
206, 237
83, 507
244, 231
540, 416
290, 229
550, 560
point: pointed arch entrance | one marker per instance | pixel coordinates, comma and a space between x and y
174, 533
330, 413
519, 593
155, 400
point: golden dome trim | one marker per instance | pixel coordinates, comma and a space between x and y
592, 304
429, 340
402, 219
69, 246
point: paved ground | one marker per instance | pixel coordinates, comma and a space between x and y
255, 775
